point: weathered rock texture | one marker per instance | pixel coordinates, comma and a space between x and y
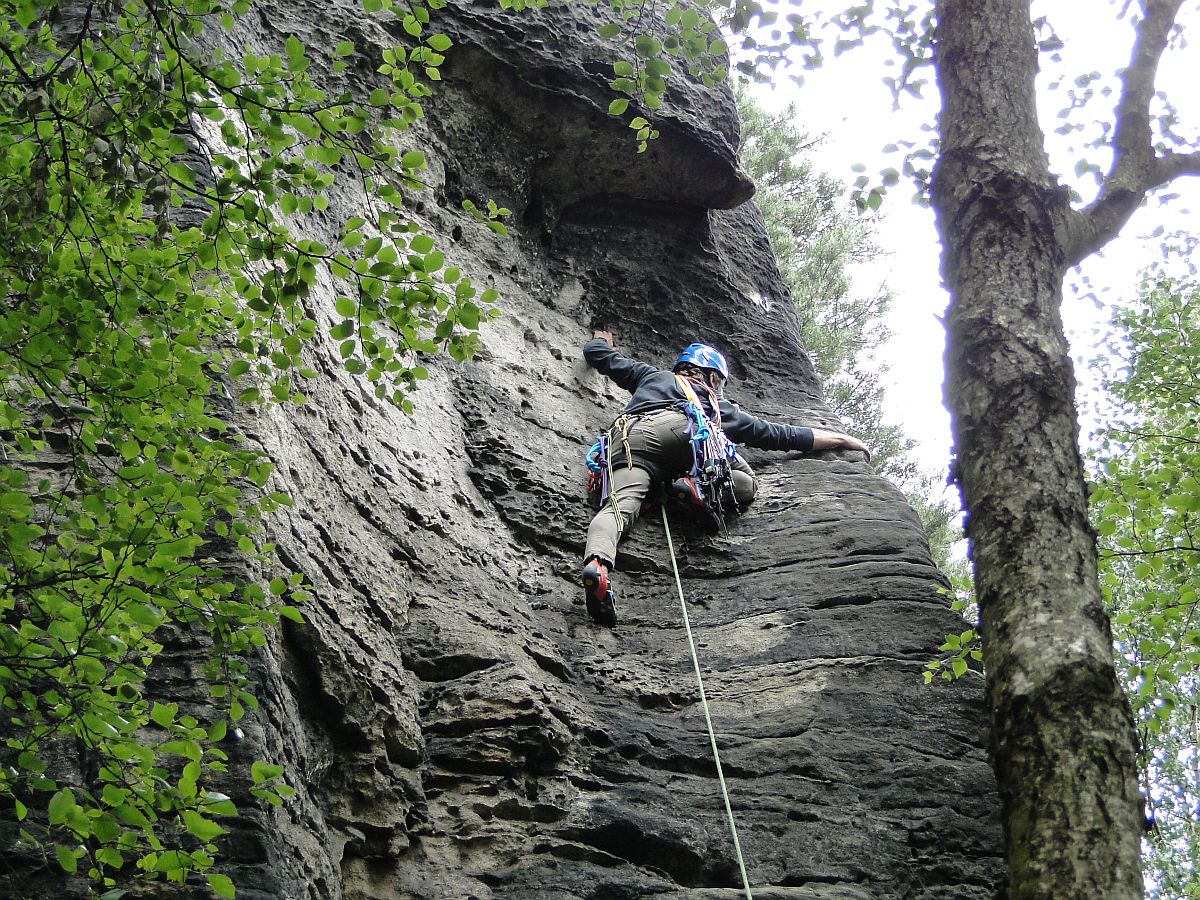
454, 724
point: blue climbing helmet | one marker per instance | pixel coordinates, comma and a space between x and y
703, 357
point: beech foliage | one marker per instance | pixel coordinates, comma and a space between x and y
1145, 460
154, 272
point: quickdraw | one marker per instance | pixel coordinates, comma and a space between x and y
596, 460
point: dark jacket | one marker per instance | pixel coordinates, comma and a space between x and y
657, 389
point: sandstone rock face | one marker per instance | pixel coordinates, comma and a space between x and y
454, 724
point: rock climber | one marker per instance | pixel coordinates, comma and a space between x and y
651, 444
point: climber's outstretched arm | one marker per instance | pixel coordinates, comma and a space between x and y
832, 440
608, 361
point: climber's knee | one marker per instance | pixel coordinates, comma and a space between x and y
745, 487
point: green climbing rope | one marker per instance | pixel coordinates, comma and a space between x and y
712, 737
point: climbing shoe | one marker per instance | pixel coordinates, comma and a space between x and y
599, 598
686, 491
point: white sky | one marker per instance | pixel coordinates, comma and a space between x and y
848, 101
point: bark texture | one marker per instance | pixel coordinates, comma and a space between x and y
1064, 744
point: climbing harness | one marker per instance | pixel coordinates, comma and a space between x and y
712, 455
600, 469
712, 737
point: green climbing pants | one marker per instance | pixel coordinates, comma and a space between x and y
661, 451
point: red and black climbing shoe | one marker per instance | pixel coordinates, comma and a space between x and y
598, 595
686, 491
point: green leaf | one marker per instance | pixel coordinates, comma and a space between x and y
66, 859
618, 107
221, 885
199, 827
131, 815
290, 612
61, 805
145, 614
219, 805
261, 771
163, 714
647, 46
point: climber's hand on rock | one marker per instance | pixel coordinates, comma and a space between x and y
606, 336
832, 440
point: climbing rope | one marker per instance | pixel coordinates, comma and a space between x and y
712, 737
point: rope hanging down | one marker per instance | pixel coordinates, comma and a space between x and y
712, 737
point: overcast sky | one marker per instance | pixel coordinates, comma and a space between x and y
848, 101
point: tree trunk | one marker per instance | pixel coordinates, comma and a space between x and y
1063, 738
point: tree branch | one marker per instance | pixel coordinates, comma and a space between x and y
1172, 165
1132, 149
1135, 169
37, 82
16, 64
1156, 551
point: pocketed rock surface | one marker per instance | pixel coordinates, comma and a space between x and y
454, 725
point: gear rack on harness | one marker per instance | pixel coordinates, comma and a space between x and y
710, 480
708, 485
